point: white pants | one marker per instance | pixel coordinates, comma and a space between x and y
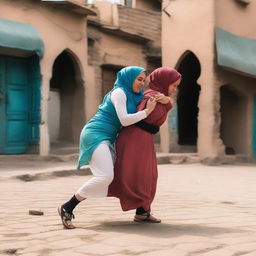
102, 168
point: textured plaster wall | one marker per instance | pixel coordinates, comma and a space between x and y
235, 18
110, 50
59, 30
245, 88
191, 27
240, 21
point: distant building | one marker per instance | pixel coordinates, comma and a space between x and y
213, 44
128, 33
56, 66
43, 62
121, 35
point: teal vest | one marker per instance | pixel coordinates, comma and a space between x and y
105, 125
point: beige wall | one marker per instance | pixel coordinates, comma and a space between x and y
108, 14
236, 19
245, 89
122, 52
191, 27
59, 30
240, 21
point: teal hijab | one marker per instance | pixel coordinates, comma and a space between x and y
105, 125
124, 81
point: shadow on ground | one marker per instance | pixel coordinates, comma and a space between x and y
161, 230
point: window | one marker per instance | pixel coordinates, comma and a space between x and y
128, 3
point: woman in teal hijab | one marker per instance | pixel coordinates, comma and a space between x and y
105, 125
98, 135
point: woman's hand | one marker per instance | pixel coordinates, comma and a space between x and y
151, 103
161, 98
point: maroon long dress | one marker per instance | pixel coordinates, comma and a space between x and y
135, 168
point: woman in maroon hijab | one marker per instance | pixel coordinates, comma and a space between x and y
135, 172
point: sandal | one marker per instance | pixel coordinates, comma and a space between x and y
146, 217
66, 218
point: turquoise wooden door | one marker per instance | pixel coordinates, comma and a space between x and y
2, 104
19, 104
254, 128
34, 78
16, 106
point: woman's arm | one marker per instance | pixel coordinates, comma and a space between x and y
118, 99
151, 128
159, 113
161, 98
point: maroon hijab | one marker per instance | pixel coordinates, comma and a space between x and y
161, 78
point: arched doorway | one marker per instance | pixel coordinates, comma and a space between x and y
66, 113
185, 113
233, 120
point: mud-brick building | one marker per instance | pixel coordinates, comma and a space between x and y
123, 33
213, 44
43, 61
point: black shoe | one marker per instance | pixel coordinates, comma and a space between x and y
66, 218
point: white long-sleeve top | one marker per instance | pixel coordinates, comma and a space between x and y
119, 99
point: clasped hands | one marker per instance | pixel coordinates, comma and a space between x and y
161, 98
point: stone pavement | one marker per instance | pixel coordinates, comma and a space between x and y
205, 211
34, 167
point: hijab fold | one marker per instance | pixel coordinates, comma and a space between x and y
159, 81
125, 79
161, 78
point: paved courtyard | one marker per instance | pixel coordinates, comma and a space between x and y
205, 211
